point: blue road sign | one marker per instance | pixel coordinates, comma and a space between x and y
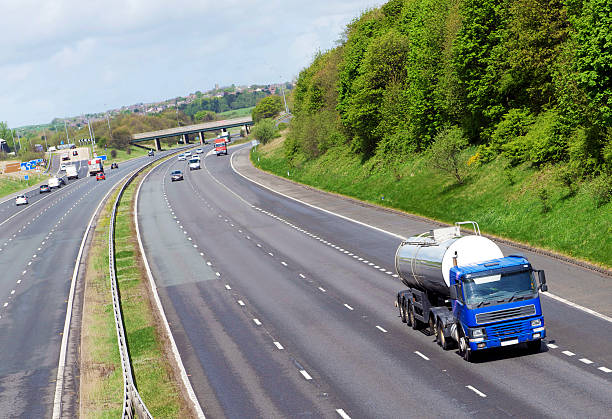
26, 177
22, 166
62, 142
101, 157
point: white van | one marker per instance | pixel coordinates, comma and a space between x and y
71, 172
54, 182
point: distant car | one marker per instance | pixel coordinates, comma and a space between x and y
52, 148
75, 153
63, 167
114, 166
100, 176
44, 188
176, 175
194, 164
182, 157
187, 153
21, 200
72, 146
61, 180
199, 150
151, 153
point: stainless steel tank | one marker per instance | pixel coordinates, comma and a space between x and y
424, 261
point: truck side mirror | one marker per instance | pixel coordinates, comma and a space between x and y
542, 278
454, 291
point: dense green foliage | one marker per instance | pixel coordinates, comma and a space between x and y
264, 130
525, 81
227, 102
267, 107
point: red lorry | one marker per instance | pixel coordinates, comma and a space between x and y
220, 146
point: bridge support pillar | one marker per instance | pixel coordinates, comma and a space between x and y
158, 144
185, 139
247, 129
202, 139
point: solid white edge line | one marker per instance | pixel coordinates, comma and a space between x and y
59, 382
342, 414
177, 356
578, 306
475, 390
555, 297
311, 205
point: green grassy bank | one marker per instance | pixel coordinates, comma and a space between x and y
521, 203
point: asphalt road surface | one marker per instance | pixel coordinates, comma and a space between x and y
283, 310
39, 243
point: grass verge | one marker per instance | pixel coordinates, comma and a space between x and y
101, 382
506, 202
236, 113
9, 185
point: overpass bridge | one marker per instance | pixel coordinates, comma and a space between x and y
187, 130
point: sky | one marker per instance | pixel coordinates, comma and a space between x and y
65, 58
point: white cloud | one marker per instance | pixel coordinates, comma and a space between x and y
67, 57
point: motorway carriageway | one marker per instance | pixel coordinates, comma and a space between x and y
279, 309
39, 243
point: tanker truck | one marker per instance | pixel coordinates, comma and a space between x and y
463, 289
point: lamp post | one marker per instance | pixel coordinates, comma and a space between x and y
283, 91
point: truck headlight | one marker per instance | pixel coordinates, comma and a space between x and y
536, 323
478, 333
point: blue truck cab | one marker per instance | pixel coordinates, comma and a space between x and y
496, 303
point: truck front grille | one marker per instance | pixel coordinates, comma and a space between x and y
508, 330
509, 313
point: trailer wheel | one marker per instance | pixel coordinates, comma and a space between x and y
402, 309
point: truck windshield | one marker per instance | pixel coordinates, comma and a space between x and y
499, 288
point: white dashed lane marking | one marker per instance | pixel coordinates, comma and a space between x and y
475, 390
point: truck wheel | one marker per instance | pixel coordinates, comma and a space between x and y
533, 346
441, 339
465, 351
433, 329
402, 310
416, 324
406, 308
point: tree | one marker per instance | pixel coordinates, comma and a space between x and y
267, 107
445, 153
264, 130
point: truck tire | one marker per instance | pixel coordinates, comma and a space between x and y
406, 308
442, 341
402, 309
534, 346
414, 323
464, 348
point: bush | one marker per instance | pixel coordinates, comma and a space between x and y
264, 130
445, 153
282, 126
113, 153
267, 107
601, 190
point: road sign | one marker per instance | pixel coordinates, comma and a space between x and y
101, 157
26, 177
62, 142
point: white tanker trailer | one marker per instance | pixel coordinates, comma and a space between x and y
467, 292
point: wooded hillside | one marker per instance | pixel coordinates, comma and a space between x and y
524, 81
